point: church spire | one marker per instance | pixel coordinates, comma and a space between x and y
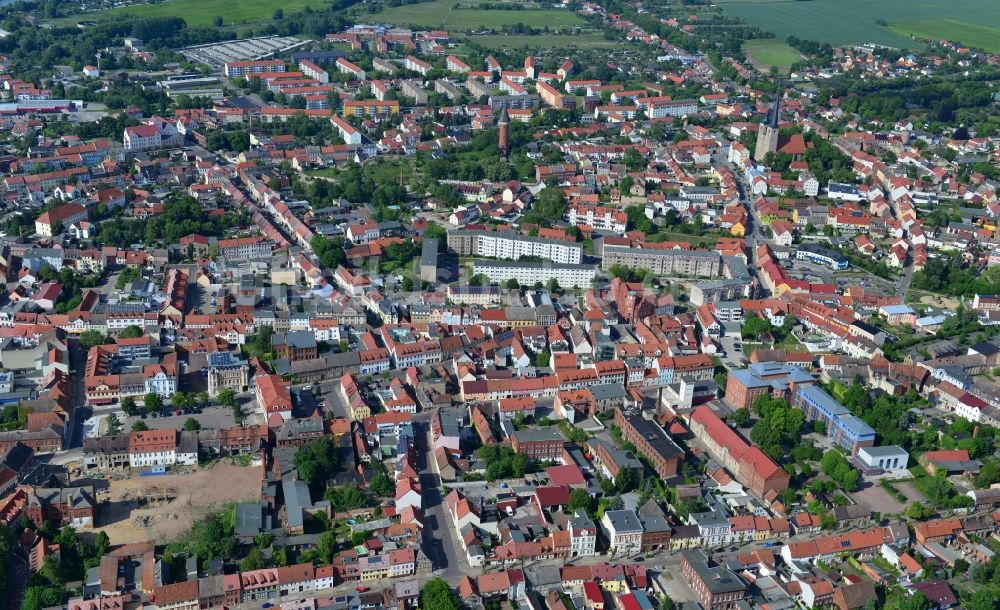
772, 115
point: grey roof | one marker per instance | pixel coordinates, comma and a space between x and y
716, 579
852, 511
624, 520
297, 499
249, 519
654, 435
298, 426
211, 586
607, 391
885, 451
855, 425
652, 518
428, 251
546, 434
298, 339
188, 442
624, 459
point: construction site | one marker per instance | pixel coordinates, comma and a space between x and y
161, 508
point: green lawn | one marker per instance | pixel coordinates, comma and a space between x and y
973, 22
543, 41
707, 238
444, 14
767, 53
202, 12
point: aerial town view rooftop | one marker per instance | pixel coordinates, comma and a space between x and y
499, 305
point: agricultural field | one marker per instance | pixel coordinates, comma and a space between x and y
203, 12
765, 54
449, 14
973, 22
975, 35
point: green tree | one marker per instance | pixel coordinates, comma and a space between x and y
380, 485
625, 481
840, 470
114, 425
543, 358
226, 397
345, 497
38, 597
739, 417
754, 326
983, 599
263, 540
191, 425
329, 251
437, 594
131, 332
633, 160
253, 561
90, 338
579, 499
139, 426
153, 401
550, 207
128, 406
779, 425
317, 461
327, 546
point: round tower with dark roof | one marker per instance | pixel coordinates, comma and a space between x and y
504, 125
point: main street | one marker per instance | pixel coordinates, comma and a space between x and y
443, 546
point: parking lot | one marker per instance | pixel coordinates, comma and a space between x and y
239, 50
210, 417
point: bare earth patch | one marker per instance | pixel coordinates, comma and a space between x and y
161, 508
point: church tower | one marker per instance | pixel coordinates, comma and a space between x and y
767, 133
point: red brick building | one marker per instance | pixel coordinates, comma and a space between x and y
715, 587
764, 379
72, 506
539, 444
651, 441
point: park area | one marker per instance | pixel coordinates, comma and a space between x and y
887, 22
463, 15
203, 12
765, 54
161, 508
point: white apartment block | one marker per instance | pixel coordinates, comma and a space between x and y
527, 274
512, 246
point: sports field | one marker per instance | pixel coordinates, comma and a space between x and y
767, 53
444, 14
855, 21
203, 12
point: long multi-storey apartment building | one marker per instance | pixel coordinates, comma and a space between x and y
695, 263
497, 244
